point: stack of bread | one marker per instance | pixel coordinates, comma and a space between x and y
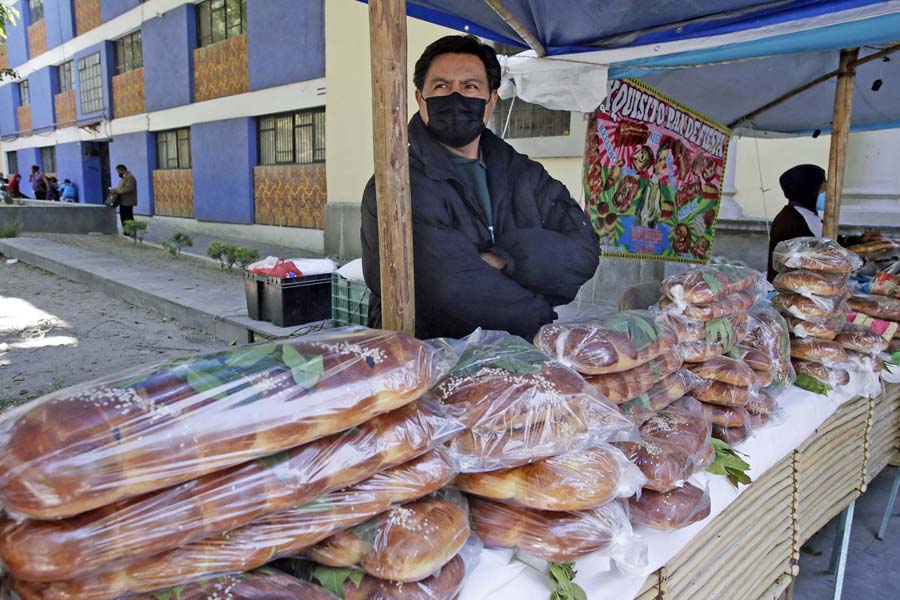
199, 466
813, 288
728, 385
539, 475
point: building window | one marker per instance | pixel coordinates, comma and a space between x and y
292, 138
24, 93
36, 10
528, 120
90, 79
173, 149
66, 77
129, 55
12, 162
220, 19
48, 159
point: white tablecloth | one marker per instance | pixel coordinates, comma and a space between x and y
498, 577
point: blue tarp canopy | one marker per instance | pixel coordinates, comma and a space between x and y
724, 58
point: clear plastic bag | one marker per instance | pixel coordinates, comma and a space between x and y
622, 387
734, 435
767, 331
406, 543
664, 466
825, 352
876, 249
446, 584
862, 339
762, 364
262, 584
668, 511
885, 284
574, 481
560, 535
721, 337
812, 283
724, 394
725, 369
831, 376
726, 331
609, 343
659, 396
221, 501
152, 428
681, 424
520, 406
732, 304
879, 307
810, 307
824, 329
708, 283
275, 536
725, 416
814, 254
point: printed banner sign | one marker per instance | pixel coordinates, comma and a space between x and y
653, 174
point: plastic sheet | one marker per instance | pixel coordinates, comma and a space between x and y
659, 396
812, 283
609, 343
810, 308
221, 501
824, 329
560, 536
622, 387
724, 369
814, 254
668, 511
859, 338
406, 543
831, 376
446, 584
708, 283
825, 352
731, 304
520, 406
127, 435
664, 466
885, 284
879, 307
575, 481
725, 416
275, 536
767, 332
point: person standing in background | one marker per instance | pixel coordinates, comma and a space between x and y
52, 189
38, 183
13, 187
127, 193
804, 187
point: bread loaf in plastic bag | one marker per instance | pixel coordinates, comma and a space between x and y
814, 254
668, 511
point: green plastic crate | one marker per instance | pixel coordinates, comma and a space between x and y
349, 302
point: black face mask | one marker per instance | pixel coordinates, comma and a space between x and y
455, 120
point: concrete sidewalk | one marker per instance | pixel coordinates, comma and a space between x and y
220, 310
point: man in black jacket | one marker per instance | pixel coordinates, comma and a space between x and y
497, 241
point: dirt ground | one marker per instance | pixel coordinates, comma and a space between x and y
55, 333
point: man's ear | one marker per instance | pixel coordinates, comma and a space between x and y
491, 105
423, 107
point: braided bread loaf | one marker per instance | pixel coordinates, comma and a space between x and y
662, 394
575, 481
814, 254
821, 351
860, 338
731, 304
807, 308
824, 329
443, 585
681, 425
726, 416
723, 394
665, 467
811, 283
222, 501
724, 369
95, 444
708, 283
827, 375
879, 307
622, 387
674, 509
277, 535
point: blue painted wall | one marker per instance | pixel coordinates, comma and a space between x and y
168, 43
285, 50
59, 18
9, 100
110, 9
137, 152
27, 157
222, 155
42, 84
70, 165
108, 66
17, 37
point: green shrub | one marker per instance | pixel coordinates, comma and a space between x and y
216, 251
175, 244
10, 229
7, 199
245, 256
135, 230
229, 255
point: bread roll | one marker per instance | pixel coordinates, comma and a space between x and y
815, 283
814, 254
659, 396
885, 284
821, 351
222, 501
727, 305
668, 511
708, 283
89, 446
704, 457
876, 249
264, 584
860, 338
665, 467
575, 481
551, 535
758, 420
278, 535
724, 369
622, 387
879, 307
827, 375
734, 435
804, 307
824, 329
678, 426
726, 416
718, 342
761, 403
753, 358
723, 394
611, 344
407, 543
443, 585
727, 331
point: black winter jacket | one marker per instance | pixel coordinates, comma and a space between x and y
787, 225
548, 243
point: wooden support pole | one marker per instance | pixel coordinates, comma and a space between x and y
840, 130
517, 26
387, 37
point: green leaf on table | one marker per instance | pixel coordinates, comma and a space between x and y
728, 462
812, 384
244, 358
332, 579
306, 370
561, 576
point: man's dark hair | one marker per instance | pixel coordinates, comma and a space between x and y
458, 44
35, 168
121, 166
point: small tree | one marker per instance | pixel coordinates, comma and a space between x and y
216, 251
245, 256
177, 242
135, 230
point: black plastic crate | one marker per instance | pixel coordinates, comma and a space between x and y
297, 300
254, 289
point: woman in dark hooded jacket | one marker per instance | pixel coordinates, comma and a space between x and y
802, 185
